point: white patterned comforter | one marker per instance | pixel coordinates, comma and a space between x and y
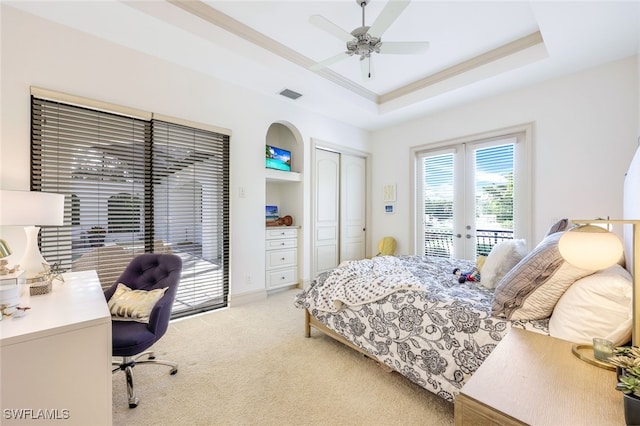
363, 281
420, 321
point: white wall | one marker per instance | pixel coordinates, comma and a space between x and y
39, 53
585, 132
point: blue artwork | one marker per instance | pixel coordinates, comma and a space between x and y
271, 212
277, 158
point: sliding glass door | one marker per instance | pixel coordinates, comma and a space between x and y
132, 186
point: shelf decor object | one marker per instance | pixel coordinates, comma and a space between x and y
11, 288
31, 209
5, 251
589, 246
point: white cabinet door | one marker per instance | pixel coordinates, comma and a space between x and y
352, 207
327, 213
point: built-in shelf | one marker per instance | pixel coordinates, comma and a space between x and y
284, 189
273, 175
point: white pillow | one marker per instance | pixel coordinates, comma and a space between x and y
502, 257
133, 305
598, 305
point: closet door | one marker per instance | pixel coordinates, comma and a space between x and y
327, 210
352, 207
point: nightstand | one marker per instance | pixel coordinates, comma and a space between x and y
534, 379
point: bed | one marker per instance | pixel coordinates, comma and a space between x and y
411, 314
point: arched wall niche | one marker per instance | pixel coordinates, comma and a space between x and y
286, 191
286, 136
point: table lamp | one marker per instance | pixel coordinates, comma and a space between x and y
31, 209
592, 247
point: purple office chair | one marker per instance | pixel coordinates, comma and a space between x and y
130, 339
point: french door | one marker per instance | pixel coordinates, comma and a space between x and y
472, 195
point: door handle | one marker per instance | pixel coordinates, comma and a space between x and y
458, 235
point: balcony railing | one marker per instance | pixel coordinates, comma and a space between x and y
487, 238
440, 242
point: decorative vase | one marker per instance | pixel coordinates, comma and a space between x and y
631, 410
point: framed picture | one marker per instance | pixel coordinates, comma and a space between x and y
389, 193
278, 158
271, 212
389, 208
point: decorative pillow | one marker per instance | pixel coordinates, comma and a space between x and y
560, 226
533, 287
598, 305
133, 305
502, 257
480, 262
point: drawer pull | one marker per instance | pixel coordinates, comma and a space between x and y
282, 258
281, 244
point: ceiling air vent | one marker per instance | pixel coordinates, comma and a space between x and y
290, 94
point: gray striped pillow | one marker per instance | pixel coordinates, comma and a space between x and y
531, 289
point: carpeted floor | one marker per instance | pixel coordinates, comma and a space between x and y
251, 365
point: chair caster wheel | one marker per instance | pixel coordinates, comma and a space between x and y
134, 403
173, 372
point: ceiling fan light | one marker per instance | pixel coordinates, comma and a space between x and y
365, 40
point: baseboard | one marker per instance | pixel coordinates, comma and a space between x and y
281, 289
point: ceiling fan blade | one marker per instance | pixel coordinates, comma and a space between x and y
404, 47
328, 26
366, 67
389, 14
329, 61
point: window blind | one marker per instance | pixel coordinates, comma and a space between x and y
494, 194
133, 186
190, 195
438, 198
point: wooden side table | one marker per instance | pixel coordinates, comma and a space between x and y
533, 379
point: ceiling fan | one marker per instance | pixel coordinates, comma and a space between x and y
364, 40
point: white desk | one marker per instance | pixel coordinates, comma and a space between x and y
55, 362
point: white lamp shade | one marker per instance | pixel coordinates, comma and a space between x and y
590, 247
31, 208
